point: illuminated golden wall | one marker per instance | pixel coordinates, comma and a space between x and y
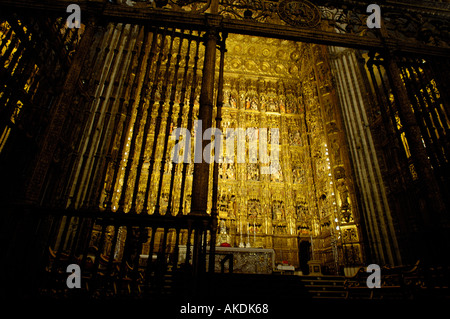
271, 83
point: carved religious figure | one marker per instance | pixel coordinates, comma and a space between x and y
272, 105
278, 210
254, 208
343, 190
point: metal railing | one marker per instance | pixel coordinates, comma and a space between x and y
118, 254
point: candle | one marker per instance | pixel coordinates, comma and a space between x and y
254, 233
248, 234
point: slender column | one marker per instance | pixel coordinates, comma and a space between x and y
201, 170
379, 190
354, 129
214, 211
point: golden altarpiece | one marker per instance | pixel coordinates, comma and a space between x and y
357, 116
272, 83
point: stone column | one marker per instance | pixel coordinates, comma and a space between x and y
375, 210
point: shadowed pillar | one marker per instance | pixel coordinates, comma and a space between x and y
201, 170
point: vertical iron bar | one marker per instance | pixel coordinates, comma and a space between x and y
204, 247
176, 249
180, 116
189, 123
146, 128
167, 129
158, 122
393, 141
136, 130
97, 152
99, 250
135, 275
391, 110
117, 119
149, 266
188, 245
113, 247
127, 124
162, 254
444, 130
422, 117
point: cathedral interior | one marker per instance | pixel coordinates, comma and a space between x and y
343, 161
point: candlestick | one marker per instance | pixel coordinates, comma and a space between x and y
241, 244
248, 235
254, 232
